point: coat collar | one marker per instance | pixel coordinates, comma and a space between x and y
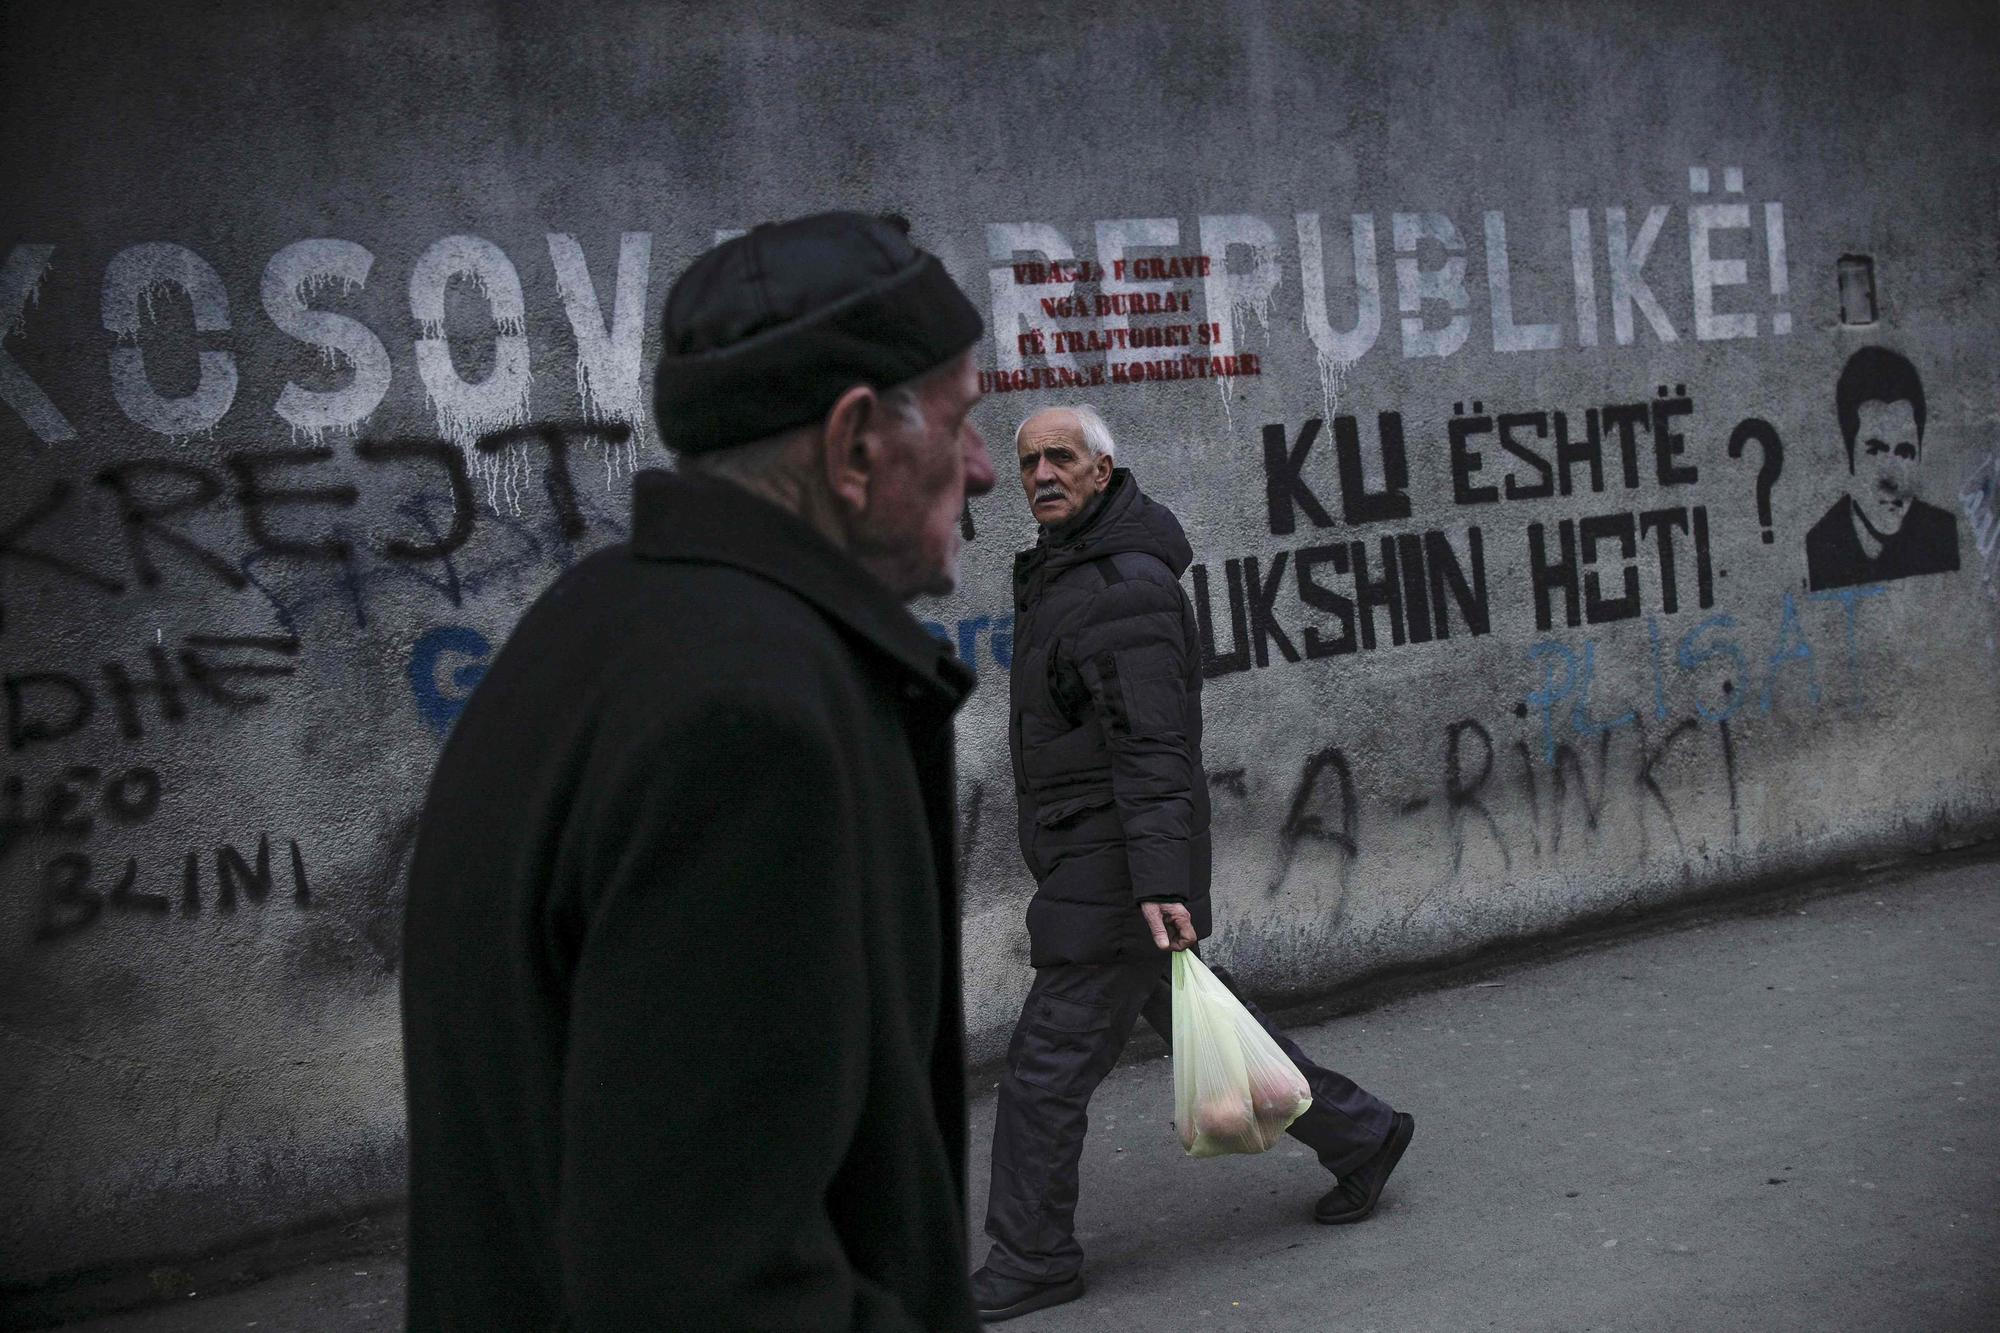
1105, 508
691, 519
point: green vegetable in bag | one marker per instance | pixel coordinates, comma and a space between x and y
1234, 1089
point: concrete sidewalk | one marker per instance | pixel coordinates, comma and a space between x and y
1775, 1121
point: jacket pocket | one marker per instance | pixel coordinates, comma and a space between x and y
1067, 690
1060, 814
1060, 1044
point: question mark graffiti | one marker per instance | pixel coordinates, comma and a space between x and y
1773, 450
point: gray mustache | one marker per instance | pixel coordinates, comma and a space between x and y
1049, 493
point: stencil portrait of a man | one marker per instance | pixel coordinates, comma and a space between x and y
1879, 530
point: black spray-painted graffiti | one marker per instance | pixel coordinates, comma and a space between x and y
1417, 587
1879, 529
1757, 431
1308, 812
290, 519
71, 899
1527, 800
81, 801
44, 708
70, 805
1509, 801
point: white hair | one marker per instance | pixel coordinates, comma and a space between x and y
1096, 435
904, 403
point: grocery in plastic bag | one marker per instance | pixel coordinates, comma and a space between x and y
1235, 1091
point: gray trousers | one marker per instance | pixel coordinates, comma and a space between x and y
1071, 1031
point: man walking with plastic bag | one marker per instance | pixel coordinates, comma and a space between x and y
681, 994
1105, 735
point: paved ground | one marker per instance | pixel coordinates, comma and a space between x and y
1781, 1121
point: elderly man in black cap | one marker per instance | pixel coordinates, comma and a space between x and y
681, 995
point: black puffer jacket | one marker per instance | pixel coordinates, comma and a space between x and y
1106, 730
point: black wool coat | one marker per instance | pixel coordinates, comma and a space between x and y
1106, 730
681, 997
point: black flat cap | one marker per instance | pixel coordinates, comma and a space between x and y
766, 330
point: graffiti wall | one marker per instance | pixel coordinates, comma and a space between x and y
1585, 423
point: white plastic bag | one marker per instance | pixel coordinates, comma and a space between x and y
1234, 1089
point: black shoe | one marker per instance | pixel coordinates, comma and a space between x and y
1353, 1198
997, 1298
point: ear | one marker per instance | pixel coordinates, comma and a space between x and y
1102, 466
851, 446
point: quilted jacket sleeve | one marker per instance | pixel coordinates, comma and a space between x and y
1133, 655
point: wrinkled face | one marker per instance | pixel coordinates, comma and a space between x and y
909, 535
1887, 449
1059, 474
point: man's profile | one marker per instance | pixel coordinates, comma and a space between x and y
682, 994
1880, 530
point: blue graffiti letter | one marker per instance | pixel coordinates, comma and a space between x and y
968, 639
1003, 644
440, 704
1547, 697
1791, 646
1847, 597
1580, 719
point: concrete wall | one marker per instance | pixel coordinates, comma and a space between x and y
271, 278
